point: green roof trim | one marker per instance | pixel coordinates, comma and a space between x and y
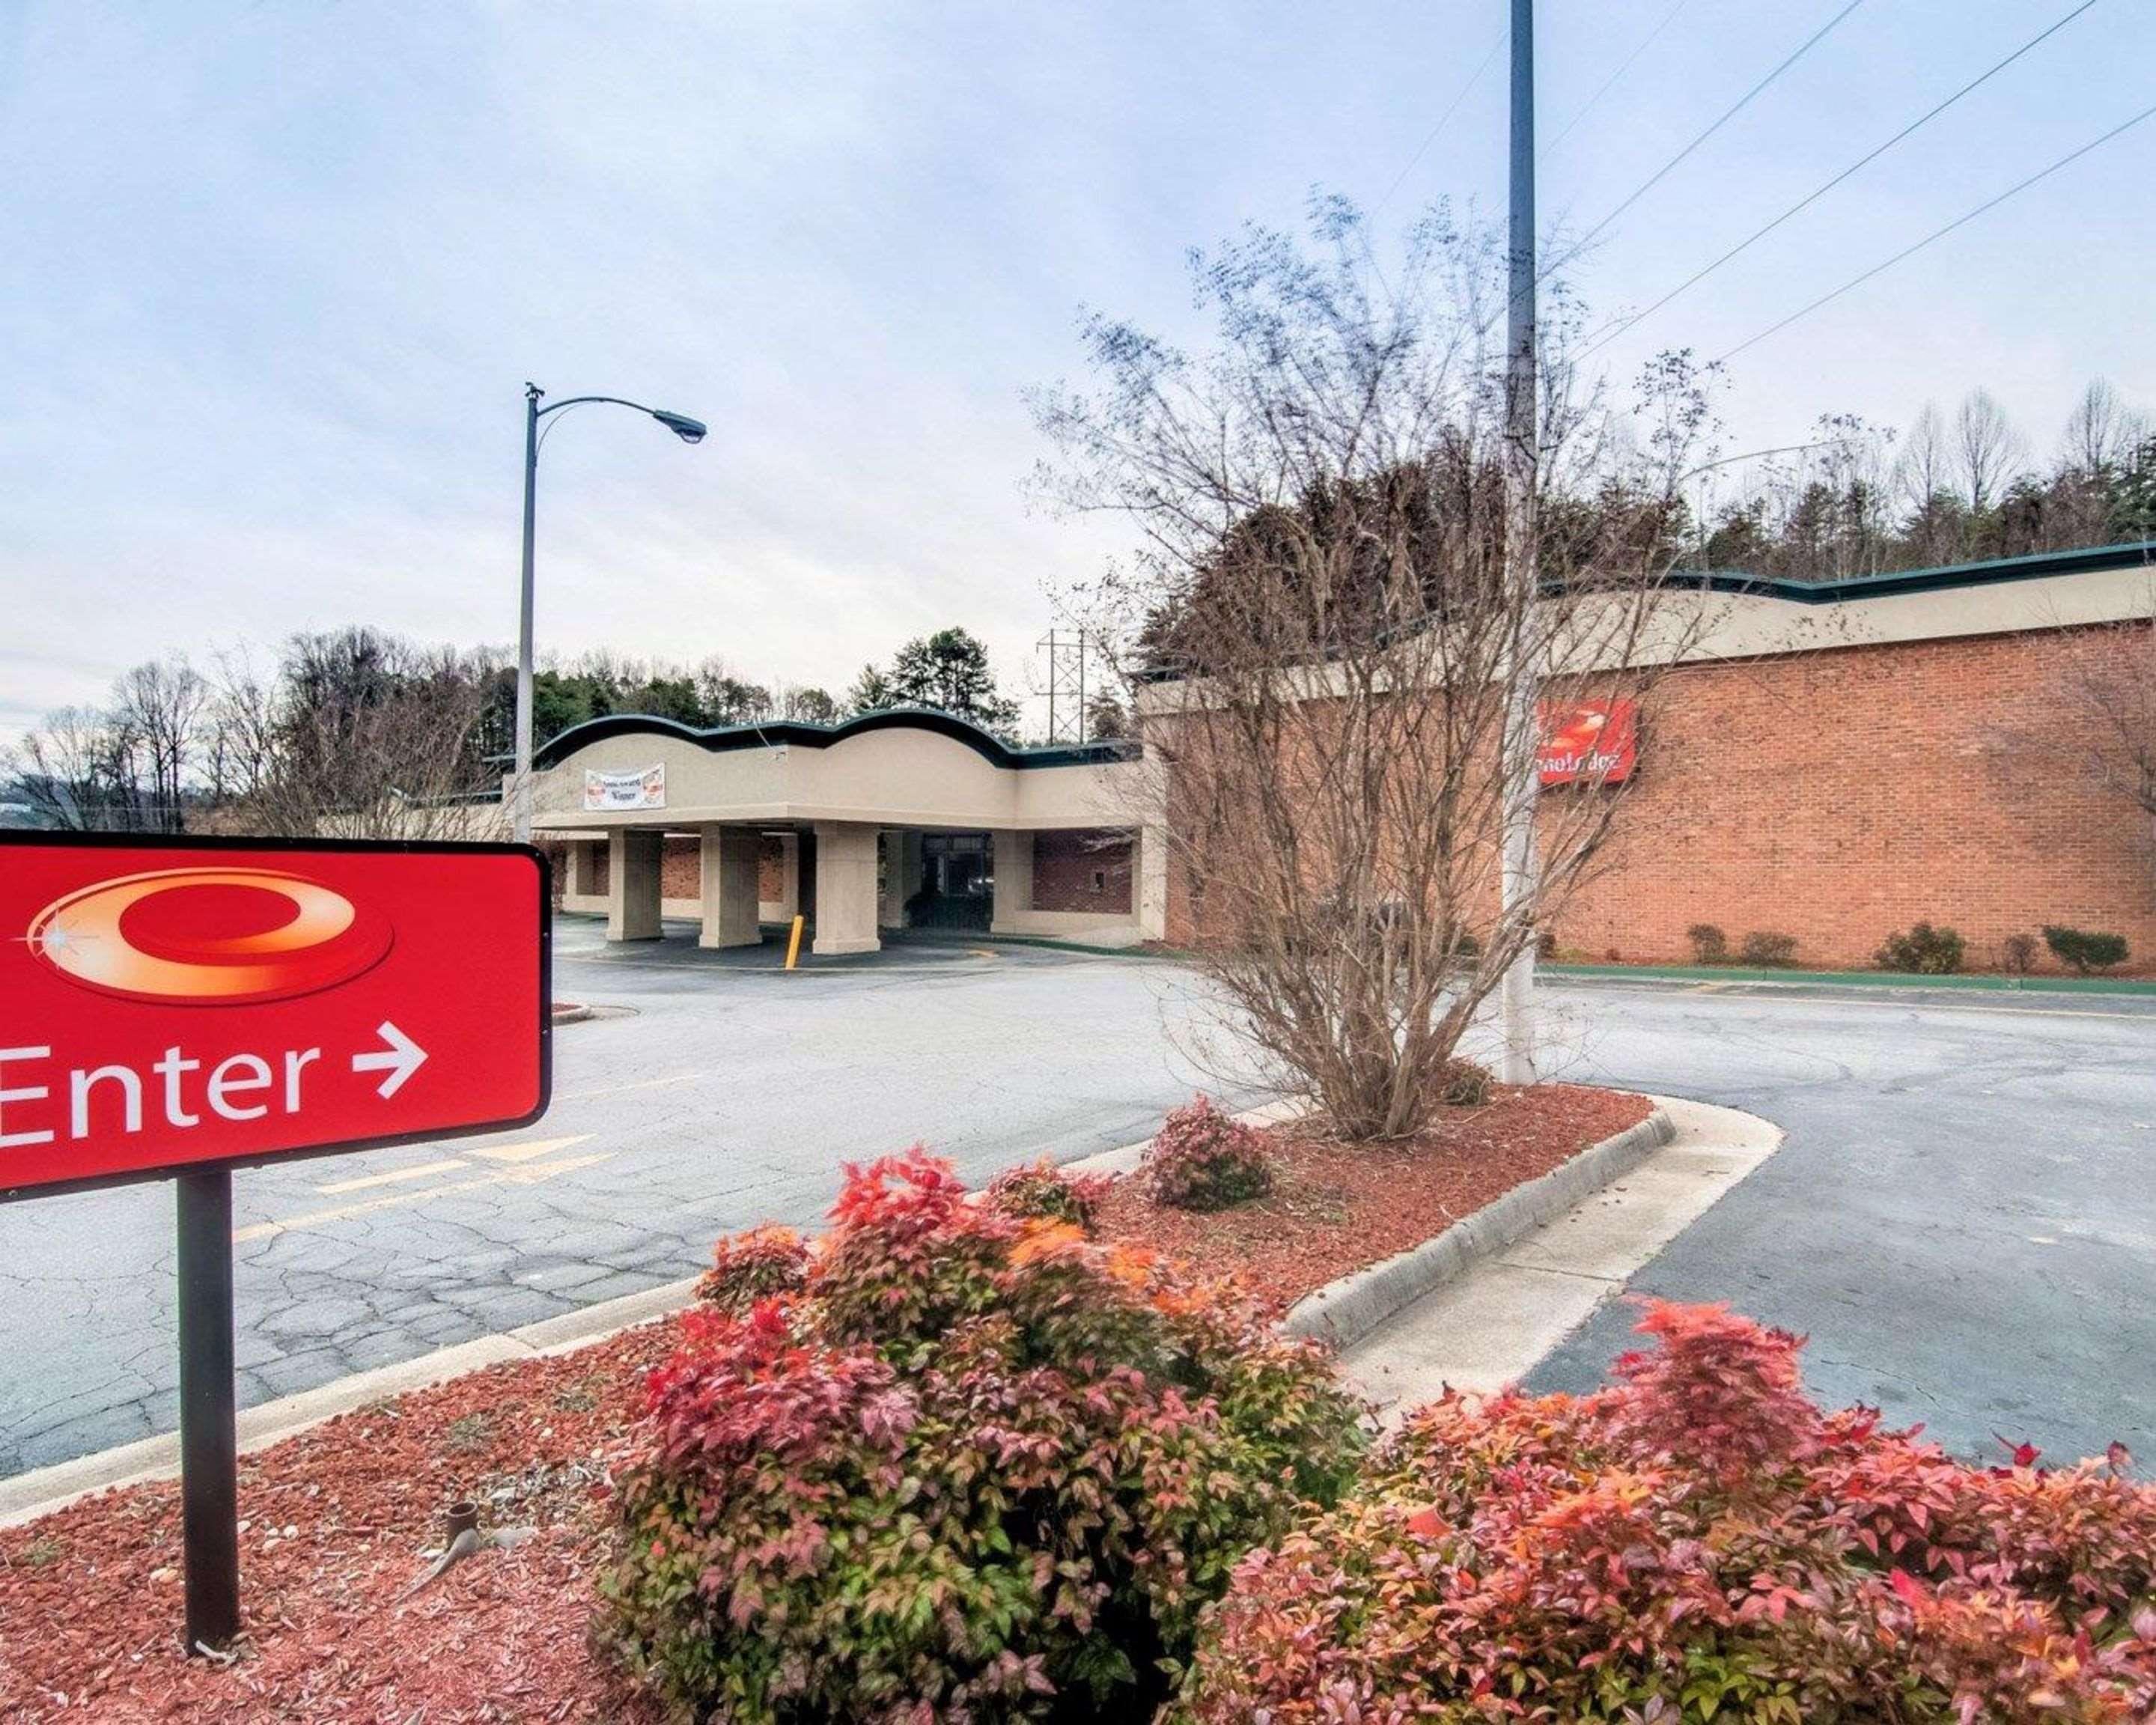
799, 733
2036, 565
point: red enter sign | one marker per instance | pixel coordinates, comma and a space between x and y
169, 1003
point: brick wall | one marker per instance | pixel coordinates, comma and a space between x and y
1067, 865
681, 868
1837, 796
770, 868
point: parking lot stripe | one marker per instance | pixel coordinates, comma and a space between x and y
530, 1175
395, 1177
615, 1090
527, 1153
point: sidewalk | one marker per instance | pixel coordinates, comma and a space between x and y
1489, 1327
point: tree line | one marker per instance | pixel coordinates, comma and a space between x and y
1957, 488
362, 732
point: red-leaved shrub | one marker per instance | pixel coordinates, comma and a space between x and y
1698, 1542
759, 1265
1202, 1159
976, 1469
1041, 1192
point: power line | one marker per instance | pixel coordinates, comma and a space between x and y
1443, 120
1862, 161
1742, 103
1963, 221
1609, 83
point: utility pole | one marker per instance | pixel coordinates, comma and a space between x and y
1522, 435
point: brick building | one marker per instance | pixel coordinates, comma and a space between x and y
1836, 762
1830, 762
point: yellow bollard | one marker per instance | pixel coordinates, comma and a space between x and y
793, 943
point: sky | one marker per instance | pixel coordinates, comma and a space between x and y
273, 277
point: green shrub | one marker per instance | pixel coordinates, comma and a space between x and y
1709, 945
1041, 1192
1765, 950
1463, 1085
975, 1468
1924, 950
2018, 952
1201, 1159
2083, 951
1699, 1542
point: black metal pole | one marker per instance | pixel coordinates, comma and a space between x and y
209, 1452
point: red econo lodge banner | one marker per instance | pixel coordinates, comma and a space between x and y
166, 1003
1594, 740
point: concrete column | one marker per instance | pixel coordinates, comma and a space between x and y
728, 857
582, 866
633, 855
1151, 864
845, 888
1014, 866
901, 875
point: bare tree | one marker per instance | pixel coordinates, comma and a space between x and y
1934, 516
2102, 432
239, 732
368, 737
76, 770
2112, 687
1987, 451
158, 707
1327, 643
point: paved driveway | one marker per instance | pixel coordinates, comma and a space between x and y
1964, 1218
1963, 1215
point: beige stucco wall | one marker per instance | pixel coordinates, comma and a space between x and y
1689, 627
892, 777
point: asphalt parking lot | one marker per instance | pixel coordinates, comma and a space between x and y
1963, 1217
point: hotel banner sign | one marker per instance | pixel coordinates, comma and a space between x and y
1588, 742
607, 792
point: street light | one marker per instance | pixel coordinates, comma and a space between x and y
690, 431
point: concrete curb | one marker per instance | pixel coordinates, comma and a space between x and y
1956, 983
1342, 1312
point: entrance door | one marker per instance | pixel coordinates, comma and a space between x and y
954, 883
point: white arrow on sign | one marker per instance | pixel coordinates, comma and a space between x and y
400, 1059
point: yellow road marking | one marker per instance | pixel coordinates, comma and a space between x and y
615, 1090
394, 1177
533, 1176
525, 1153
530, 1176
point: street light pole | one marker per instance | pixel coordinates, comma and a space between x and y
522, 825
1518, 888
690, 431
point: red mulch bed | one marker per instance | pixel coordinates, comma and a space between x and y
91, 1596
1337, 1207
337, 1517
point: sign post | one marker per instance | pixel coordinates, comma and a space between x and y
209, 1445
179, 1008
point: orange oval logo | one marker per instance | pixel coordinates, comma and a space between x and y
208, 936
